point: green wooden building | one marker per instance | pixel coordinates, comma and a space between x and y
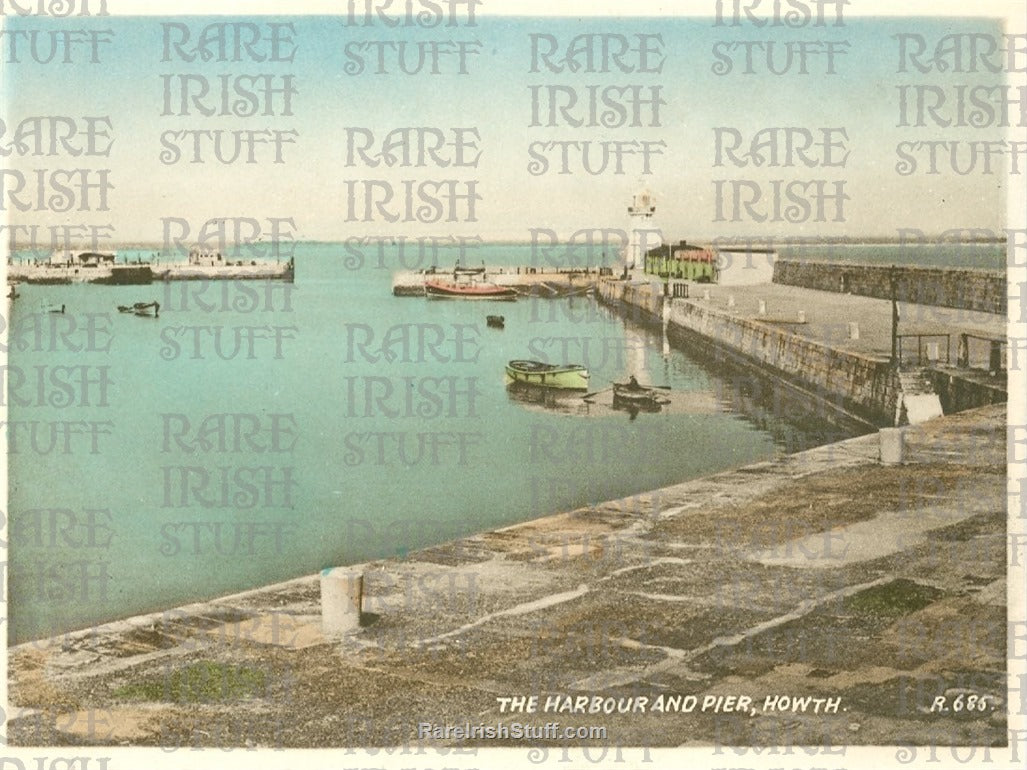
685, 261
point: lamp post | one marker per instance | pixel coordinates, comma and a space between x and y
892, 281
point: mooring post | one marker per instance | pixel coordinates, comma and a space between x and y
892, 446
342, 598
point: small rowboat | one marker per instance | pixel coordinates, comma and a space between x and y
495, 321
631, 395
564, 376
141, 308
443, 289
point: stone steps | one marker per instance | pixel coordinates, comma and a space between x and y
919, 402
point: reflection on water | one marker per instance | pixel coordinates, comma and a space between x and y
688, 379
604, 403
543, 399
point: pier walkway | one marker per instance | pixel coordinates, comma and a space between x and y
819, 599
828, 315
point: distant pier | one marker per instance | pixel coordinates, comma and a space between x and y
531, 281
143, 273
258, 271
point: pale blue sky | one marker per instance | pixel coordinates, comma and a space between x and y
495, 99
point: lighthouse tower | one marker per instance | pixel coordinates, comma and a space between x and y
642, 236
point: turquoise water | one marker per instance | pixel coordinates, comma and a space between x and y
298, 441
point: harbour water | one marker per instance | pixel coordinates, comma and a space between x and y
260, 431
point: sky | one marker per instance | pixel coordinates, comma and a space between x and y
315, 186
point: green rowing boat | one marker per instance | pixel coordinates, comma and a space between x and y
565, 376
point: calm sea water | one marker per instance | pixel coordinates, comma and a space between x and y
257, 432
990, 256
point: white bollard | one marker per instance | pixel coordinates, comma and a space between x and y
763, 307
892, 446
802, 316
342, 593
730, 300
853, 330
705, 293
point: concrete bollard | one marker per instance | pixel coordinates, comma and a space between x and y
705, 293
763, 307
892, 446
853, 330
730, 300
342, 598
802, 316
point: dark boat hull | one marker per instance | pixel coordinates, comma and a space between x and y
636, 397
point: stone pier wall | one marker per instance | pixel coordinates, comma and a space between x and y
865, 387
965, 288
959, 392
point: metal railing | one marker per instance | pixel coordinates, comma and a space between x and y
675, 289
928, 348
971, 351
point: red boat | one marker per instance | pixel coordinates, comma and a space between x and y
437, 288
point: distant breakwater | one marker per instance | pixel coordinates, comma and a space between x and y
528, 281
143, 274
955, 287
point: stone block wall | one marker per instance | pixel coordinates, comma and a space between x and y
964, 288
863, 386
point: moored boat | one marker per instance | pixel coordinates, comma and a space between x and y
631, 394
446, 289
495, 321
564, 376
141, 308
64, 267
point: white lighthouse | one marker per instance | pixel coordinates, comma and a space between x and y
642, 236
